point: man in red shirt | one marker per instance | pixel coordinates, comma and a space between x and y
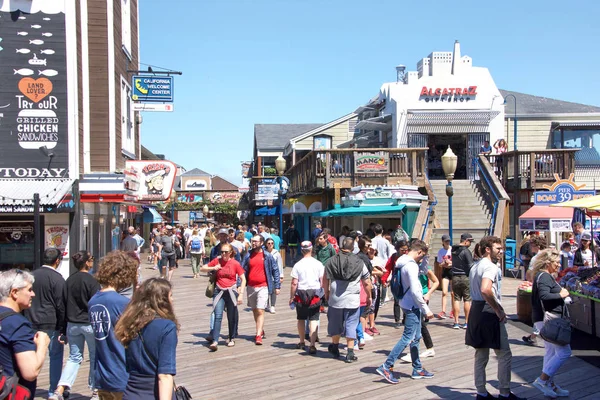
262, 277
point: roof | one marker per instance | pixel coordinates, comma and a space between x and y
277, 136
148, 155
221, 184
195, 172
529, 104
547, 212
19, 192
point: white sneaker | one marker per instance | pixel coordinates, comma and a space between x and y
356, 346
272, 310
560, 392
427, 353
544, 387
407, 358
367, 336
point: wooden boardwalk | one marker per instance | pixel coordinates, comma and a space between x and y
277, 370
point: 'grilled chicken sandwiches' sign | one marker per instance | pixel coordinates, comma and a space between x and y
33, 88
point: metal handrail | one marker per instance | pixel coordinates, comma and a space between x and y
429, 209
497, 199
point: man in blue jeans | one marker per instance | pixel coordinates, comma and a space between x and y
413, 305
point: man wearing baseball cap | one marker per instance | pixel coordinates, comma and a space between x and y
306, 292
586, 255
166, 247
462, 261
223, 236
444, 261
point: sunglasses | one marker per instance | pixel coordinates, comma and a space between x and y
226, 252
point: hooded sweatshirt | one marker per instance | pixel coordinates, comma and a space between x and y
462, 260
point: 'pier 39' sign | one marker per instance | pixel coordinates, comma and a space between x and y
562, 190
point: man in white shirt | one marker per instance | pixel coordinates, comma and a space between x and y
381, 244
413, 305
305, 292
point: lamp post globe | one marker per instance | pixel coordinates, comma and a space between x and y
449, 163
205, 211
280, 165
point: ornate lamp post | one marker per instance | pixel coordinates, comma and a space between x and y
516, 173
280, 165
449, 162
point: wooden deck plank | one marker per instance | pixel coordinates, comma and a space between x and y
277, 370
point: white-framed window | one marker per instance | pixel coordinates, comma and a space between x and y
127, 132
126, 26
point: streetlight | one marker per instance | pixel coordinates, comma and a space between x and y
280, 167
516, 174
449, 161
173, 198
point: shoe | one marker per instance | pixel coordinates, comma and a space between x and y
397, 325
456, 326
407, 358
231, 343
94, 395
214, 346
387, 374
258, 340
560, 392
209, 339
67, 393
369, 332
272, 310
488, 397
367, 336
512, 396
442, 315
350, 357
464, 326
312, 350
422, 374
528, 340
300, 345
361, 344
427, 353
544, 387
375, 331
356, 346
56, 396
334, 350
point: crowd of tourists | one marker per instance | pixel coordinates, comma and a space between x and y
130, 330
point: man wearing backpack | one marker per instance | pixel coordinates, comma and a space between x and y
406, 287
462, 261
195, 249
166, 248
400, 234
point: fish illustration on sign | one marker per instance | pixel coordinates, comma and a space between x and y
23, 71
22, 17
47, 72
46, 19
23, 51
36, 42
37, 61
36, 26
47, 34
22, 33
47, 51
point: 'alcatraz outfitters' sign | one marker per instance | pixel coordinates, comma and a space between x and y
33, 93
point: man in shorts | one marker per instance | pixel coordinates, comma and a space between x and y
306, 292
262, 277
166, 248
462, 261
344, 273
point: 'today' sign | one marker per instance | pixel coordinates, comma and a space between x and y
152, 88
561, 191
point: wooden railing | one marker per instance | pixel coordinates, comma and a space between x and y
494, 195
321, 168
534, 167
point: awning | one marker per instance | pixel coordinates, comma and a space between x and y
362, 210
20, 192
575, 124
266, 211
472, 121
151, 216
102, 188
547, 212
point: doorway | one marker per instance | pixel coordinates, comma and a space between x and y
438, 144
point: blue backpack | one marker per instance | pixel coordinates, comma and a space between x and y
196, 244
398, 290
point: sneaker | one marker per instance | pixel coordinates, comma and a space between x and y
231, 343
209, 338
375, 331
560, 392
528, 340
361, 344
350, 357
442, 315
397, 325
407, 358
369, 332
421, 374
334, 350
488, 397
544, 387
214, 346
312, 350
427, 353
272, 310
56, 396
387, 374
464, 326
367, 336
451, 314
258, 340
356, 346
456, 326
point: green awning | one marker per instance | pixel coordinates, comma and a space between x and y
362, 210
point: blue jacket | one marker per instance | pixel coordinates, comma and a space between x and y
271, 270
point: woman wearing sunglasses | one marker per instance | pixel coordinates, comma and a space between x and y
270, 245
227, 293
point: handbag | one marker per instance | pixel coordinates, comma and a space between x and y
181, 393
210, 288
557, 328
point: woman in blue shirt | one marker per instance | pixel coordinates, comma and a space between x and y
148, 330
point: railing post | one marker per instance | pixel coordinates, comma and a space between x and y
413, 169
532, 170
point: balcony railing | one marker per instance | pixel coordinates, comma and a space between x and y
321, 169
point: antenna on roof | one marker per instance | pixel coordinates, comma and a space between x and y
400, 73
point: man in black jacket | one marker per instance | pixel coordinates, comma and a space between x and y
462, 261
48, 308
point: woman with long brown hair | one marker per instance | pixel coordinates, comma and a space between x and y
148, 330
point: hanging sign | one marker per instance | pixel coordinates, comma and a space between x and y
561, 191
371, 163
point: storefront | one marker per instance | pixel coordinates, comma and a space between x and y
552, 223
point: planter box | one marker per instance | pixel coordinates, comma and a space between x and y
581, 314
524, 312
597, 319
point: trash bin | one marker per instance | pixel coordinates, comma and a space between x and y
510, 257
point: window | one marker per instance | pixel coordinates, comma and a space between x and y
127, 133
588, 140
126, 26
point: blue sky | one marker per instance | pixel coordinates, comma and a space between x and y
294, 61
